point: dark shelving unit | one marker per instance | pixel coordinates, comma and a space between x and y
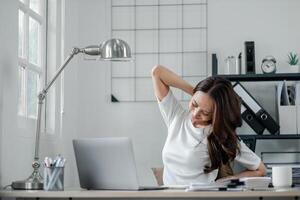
264, 137
250, 140
262, 77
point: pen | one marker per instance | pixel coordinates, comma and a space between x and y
53, 173
47, 161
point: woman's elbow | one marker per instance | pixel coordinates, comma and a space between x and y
261, 171
156, 70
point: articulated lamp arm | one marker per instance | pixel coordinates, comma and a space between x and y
42, 95
90, 50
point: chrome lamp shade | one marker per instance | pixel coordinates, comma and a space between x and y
110, 50
113, 50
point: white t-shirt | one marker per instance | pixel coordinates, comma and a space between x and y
185, 153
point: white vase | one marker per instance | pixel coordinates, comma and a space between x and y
294, 68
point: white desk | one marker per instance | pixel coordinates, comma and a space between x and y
158, 194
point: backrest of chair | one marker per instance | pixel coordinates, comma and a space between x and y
158, 174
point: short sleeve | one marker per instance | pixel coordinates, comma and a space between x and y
170, 108
247, 158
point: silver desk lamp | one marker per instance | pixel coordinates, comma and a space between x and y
113, 50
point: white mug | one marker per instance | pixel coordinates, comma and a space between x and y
282, 176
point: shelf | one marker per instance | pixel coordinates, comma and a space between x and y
250, 140
264, 137
263, 77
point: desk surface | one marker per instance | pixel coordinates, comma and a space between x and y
170, 193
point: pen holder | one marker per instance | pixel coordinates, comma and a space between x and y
53, 178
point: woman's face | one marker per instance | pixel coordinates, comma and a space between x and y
202, 108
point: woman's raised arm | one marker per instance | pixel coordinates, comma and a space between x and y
163, 78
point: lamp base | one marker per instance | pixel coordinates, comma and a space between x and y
27, 185
33, 182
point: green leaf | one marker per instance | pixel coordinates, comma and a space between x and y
293, 58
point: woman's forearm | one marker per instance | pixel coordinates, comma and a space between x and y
169, 78
249, 173
261, 171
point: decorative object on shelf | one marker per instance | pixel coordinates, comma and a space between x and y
110, 50
233, 64
214, 61
268, 65
239, 63
230, 65
250, 57
293, 61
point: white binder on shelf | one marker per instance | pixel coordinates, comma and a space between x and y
288, 111
262, 115
297, 102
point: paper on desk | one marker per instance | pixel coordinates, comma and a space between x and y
214, 186
256, 182
196, 186
177, 186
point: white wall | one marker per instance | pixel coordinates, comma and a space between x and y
9, 87
272, 24
1, 82
71, 83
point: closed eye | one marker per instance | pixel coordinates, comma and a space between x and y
194, 104
205, 113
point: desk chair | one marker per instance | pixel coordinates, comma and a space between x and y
158, 174
224, 171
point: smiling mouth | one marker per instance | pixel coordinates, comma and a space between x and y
195, 118
199, 122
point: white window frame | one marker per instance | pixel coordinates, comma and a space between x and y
52, 117
23, 62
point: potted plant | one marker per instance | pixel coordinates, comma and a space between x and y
293, 61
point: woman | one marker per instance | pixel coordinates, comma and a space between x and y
202, 141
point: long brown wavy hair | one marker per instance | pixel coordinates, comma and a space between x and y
223, 143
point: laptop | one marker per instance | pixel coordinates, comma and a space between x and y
107, 164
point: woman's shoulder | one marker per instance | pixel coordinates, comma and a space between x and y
182, 116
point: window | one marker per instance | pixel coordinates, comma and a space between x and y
31, 54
